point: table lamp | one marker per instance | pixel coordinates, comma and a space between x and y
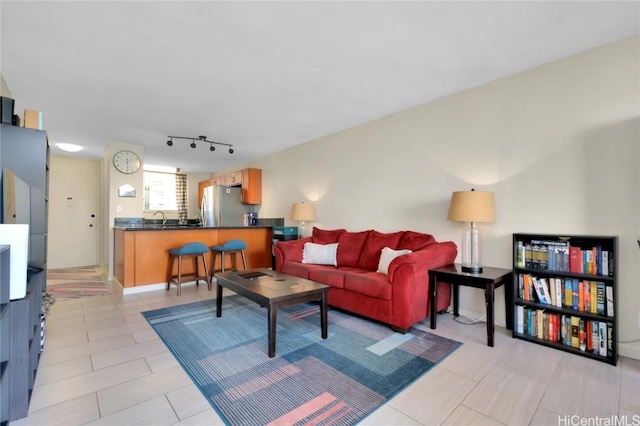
471, 207
302, 213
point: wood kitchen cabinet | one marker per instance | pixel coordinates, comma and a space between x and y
252, 186
249, 179
232, 179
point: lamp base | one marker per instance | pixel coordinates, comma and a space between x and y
472, 269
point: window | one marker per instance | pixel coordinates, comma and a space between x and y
159, 188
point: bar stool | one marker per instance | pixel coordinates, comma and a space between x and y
193, 250
233, 247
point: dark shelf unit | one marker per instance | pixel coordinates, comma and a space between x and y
26, 153
522, 268
5, 333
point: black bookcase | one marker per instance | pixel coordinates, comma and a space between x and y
565, 293
25, 152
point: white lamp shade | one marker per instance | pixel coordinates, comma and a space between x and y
302, 212
472, 206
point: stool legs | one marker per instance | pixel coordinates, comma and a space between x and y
195, 275
233, 254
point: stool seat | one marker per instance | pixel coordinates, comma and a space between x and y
190, 248
233, 247
194, 250
230, 245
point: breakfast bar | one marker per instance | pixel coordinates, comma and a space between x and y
141, 257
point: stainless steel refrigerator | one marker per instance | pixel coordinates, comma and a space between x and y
222, 206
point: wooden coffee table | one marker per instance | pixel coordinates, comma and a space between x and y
272, 290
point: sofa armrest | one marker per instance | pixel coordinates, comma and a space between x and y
432, 256
409, 278
289, 251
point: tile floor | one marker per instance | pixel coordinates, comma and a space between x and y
104, 365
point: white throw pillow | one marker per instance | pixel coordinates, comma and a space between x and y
386, 256
320, 254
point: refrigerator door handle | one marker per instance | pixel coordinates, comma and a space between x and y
202, 215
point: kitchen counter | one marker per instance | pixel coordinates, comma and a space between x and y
141, 255
155, 227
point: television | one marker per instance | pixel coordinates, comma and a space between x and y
17, 237
16, 199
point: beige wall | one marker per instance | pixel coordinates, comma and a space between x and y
558, 144
4, 90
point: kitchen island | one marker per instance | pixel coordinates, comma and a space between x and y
141, 257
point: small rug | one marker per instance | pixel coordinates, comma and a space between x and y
338, 381
72, 283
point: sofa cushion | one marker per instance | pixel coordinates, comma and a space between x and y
415, 241
326, 236
319, 254
386, 256
376, 241
333, 277
370, 284
350, 247
301, 270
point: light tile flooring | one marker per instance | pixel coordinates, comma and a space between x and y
103, 365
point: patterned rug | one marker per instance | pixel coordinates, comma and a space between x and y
338, 380
72, 283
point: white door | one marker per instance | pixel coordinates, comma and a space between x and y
73, 212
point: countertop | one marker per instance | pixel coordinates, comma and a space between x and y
178, 227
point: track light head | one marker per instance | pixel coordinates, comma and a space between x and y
212, 148
230, 150
193, 145
170, 142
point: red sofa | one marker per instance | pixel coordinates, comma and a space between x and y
399, 298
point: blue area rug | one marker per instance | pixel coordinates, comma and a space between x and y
334, 381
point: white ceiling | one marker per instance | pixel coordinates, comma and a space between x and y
265, 76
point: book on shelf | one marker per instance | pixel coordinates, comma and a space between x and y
543, 262
568, 293
602, 338
520, 255
527, 255
575, 293
535, 255
582, 335
552, 291
586, 290
559, 292
588, 332
594, 297
609, 339
609, 300
567, 325
587, 262
580, 296
600, 298
575, 332
595, 341
605, 263
575, 260
520, 319
544, 286
538, 288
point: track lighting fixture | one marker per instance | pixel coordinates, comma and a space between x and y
200, 139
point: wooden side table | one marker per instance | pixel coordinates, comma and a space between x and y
489, 280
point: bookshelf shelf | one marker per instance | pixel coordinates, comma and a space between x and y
565, 293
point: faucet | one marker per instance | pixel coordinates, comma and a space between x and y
164, 219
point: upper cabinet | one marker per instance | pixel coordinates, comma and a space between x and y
252, 186
249, 179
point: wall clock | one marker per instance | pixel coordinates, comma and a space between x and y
126, 162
